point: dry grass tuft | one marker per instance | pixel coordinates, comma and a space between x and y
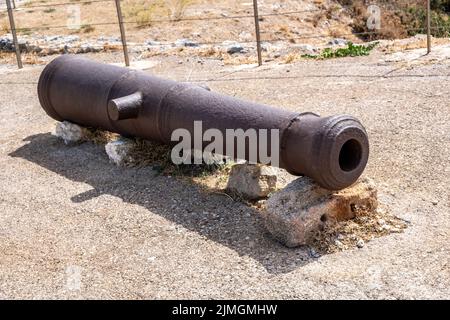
112, 47
291, 57
144, 11
210, 52
147, 153
32, 58
4, 27
87, 28
177, 8
364, 227
239, 60
157, 155
101, 137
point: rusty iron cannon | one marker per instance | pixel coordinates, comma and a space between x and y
331, 150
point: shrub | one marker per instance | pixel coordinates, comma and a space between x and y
441, 5
142, 11
440, 22
177, 8
86, 28
352, 50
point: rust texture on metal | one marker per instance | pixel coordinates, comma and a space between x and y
331, 150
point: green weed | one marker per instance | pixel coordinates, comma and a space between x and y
352, 50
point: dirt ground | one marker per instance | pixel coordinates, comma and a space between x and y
203, 21
73, 225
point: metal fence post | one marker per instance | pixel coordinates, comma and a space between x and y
258, 35
122, 33
13, 31
428, 26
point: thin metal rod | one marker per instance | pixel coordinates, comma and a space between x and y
258, 35
122, 33
14, 34
428, 26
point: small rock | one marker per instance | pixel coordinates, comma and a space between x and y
119, 151
337, 42
186, 43
339, 244
244, 36
276, 6
152, 43
252, 181
360, 243
233, 47
434, 202
6, 44
313, 253
296, 213
71, 133
305, 48
52, 38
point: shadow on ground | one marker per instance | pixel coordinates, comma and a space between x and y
214, 216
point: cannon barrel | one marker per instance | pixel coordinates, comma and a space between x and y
331, 150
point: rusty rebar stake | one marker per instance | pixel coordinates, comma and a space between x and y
257, 31
122, 33
14, 34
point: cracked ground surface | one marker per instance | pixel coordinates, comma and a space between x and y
72, 225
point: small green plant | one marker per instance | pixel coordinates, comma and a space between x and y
352, 50
49, 10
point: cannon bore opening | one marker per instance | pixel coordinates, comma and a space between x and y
350, 155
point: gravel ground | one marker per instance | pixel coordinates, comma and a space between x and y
72, 225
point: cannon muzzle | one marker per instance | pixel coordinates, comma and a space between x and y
331, 150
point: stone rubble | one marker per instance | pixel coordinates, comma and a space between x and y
63, 44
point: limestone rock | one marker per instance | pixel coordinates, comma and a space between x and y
294, 214
119, 151
186, 43
338, 42
252, 181
71, 133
